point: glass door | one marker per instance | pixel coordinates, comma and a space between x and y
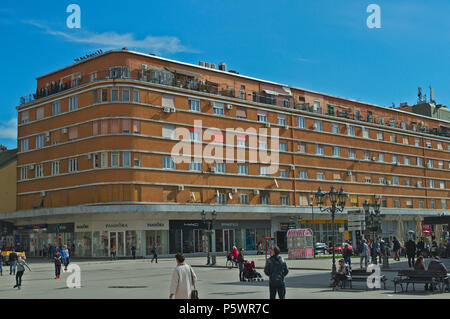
228, 239
117, 240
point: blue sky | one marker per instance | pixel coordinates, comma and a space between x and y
321, 45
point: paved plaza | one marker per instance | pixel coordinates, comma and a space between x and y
138, 279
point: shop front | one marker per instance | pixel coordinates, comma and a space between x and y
188, 236
240, 233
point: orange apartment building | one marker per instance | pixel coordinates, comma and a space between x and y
95, 169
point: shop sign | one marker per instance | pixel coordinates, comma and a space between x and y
61, 228
82, 227
34, 226
155, 225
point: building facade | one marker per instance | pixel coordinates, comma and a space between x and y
96, 146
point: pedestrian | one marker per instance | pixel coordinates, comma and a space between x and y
240, 262
183, 279
437, 266
410, 251
1, 263
347, 254
133, 251
58, 262
396, 246
260, 250
51, 252
112, 250
67, 259
363, 254
155, 254
21, 263
12, 262
62, 252
378, 250
419, 264
339, 276
420, 247
276, 269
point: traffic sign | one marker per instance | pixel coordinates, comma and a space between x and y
356, 217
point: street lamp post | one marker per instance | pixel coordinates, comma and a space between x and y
337, 200
374, 217
313, 228
209, 233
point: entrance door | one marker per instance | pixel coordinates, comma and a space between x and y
228, 239
117, 239
198, 243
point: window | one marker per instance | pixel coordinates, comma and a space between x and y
126, 159
443, 204
282, 120
24, 117
316, 106
104, 95
55, 166
384, 203
337, 177
241, 113
262, 116
441, 164
351, 130
429, 144
73, 165
168, 131
395, 180
368, 180
394, 159
406, 160
243, 169
380, 136
264, 198
125, 95
39, 141
93, 77
303, 175
104, 159
336, 151
218, 108
114, 95
409, 203
396, 203
417, 142
431, 183
430, 163
301, 147
39, 170
286, 103
283, 147
220, 167
243, 198
195, 166
318, 125
73, 133
366, 155
284, 199
221, 198
264, 171
319, 149
441, 184
408, 182
382, 181
23, 173
320, 176
381, 120
56, 108
300, 122
96, 161
421, 204
24, 145
284, 173
39, 113
365, 132
73, 103
381, 157
432, 203
168, 163
393, 138
303, 200
194, 105
405, 140
114, 159
392, 122
335, 128
136, 96
351, 153
126, 126
419, 161
136, 127
196, 195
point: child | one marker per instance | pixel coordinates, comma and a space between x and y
20, 270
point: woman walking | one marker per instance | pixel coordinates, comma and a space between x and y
67, 259
20, 270
58, 261
155, 253
183, 279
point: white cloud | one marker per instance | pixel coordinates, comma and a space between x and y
116, 40
8, 130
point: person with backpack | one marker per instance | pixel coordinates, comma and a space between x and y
276, 269
20, 270
58, 262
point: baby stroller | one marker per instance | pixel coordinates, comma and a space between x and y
249, 273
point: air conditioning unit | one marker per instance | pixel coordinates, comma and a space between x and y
234, 190
88, 156
32, 166
43, 194
64, 130
292, 167
212, 169
47, 134
256, 192
167, 109
374, 159
389, 182
314, 126
267, 124
286, 127
229, 106
181, 187
144, 67
349, 173
47, 139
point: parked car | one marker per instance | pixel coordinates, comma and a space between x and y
320, 248
338, 248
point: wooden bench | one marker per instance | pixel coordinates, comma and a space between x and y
361, 275
434, 279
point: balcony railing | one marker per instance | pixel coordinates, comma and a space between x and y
191, 81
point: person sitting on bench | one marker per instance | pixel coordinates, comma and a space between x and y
339, 276
436, 266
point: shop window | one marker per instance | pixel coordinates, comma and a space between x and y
169, 195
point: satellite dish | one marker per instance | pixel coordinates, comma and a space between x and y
230, 196
276, 183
